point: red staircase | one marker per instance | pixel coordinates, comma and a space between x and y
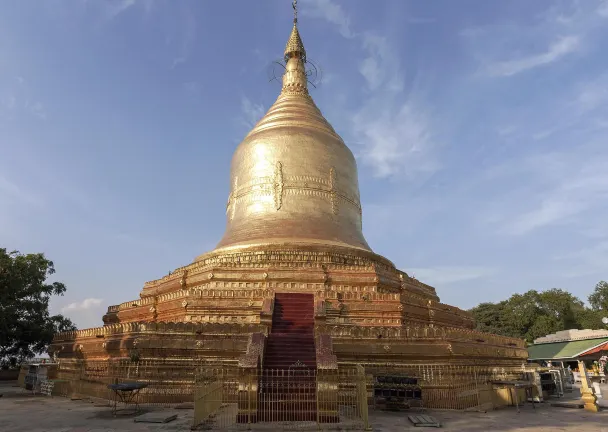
288, 382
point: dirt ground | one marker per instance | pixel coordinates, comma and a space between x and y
21, 411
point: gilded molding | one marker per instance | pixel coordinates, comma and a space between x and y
254, 354
278, 185
234, 197
182, 281
159, 328
332, 189
326, 359
422, 332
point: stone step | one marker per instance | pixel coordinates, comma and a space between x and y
293, 324
280, 367
292, 320
294, 343
289, 350
286, 365
279, 354
299, 354
274, 361
286, 333
288, 393
292, 353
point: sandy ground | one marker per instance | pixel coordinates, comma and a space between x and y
20, 411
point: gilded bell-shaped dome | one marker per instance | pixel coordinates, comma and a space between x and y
293, 180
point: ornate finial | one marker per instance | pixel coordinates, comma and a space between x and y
295, 79
295, 47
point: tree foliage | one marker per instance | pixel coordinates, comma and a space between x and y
26, 326
535, 314
599, 298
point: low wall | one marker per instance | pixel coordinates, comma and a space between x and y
9, 374
170, 381
175, 381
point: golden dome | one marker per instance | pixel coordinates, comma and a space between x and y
293, 180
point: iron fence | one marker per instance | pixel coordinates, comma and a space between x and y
281, 399
452, 387
227, 398
168, 383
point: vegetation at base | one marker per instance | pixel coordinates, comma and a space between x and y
535, 314
26, 326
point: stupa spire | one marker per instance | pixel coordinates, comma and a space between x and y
295, 46
294, 79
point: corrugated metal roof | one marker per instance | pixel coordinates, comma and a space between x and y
596, 350
562, 350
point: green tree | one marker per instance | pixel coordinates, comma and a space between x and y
520, 313
561, 306
489, 317
590, 319
26, 326
599, 298
535, 314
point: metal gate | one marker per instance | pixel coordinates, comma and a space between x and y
281, 399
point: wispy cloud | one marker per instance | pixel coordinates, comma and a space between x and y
37, 109
553, 177
421, 20
552, 210
555, 52
85, 313
10, 102
192, 89
9, 189
564, 29
393, 138
176, 20
187, 34
592, 95
111, 9
560, 188
251, 112
19, 99
602, 10
330, 12
391, 127
381, 67
589, 260
450, 274
116, 7
84, 305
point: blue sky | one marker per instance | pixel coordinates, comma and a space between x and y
479, 130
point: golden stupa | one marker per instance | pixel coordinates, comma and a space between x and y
293, 245
294, 181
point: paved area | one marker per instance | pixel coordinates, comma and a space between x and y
21, 412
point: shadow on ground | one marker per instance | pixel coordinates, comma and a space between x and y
544, 418
21, 411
